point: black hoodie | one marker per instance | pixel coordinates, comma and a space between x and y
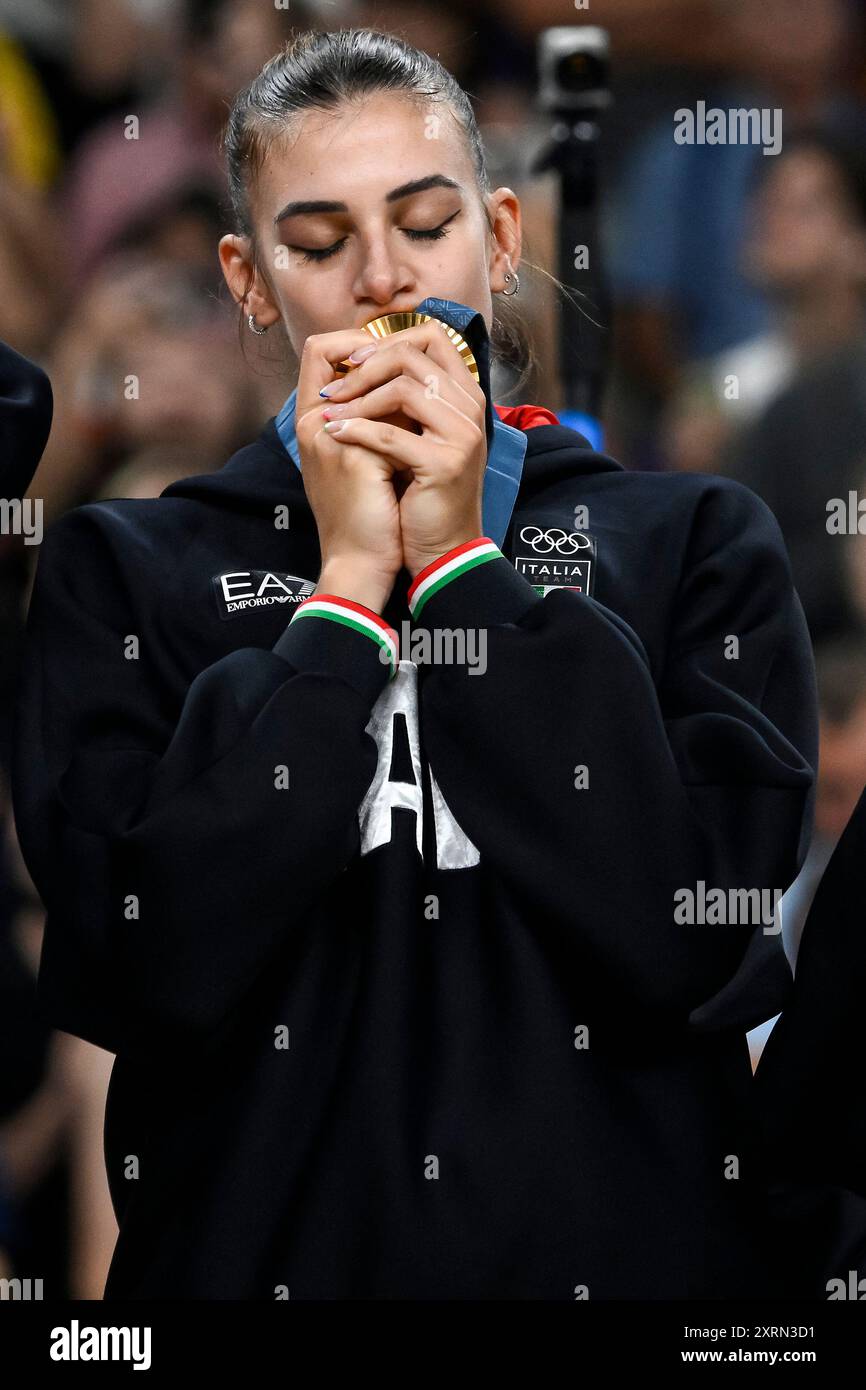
26, 410
401, 1003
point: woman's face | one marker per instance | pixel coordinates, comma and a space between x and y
805, 235
408, 221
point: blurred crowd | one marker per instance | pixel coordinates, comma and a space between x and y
737, 344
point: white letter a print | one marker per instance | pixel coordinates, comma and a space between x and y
454, 849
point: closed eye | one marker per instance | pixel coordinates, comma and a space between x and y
413, 233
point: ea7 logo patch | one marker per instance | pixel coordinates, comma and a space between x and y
559, 559
237, 591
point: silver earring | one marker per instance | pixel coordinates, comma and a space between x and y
251, 320
508, 278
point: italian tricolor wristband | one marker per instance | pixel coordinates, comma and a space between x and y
352, 615
447, 568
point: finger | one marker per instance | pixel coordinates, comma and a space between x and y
426, 340
421, 402
404, 447
320, 354
411, 350
408, 364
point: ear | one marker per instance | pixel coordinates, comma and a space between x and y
504, 209
246, 283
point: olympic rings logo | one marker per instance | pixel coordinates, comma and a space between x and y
554, 541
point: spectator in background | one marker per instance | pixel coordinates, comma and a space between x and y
144, 326
806, 251
92, 57
222, 44
806, 446
795, 426
681, 215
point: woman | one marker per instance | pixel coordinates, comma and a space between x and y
391, 946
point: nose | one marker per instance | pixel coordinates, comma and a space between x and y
383, 275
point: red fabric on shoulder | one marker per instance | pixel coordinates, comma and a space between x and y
524, 417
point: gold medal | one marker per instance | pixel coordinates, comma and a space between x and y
394, 323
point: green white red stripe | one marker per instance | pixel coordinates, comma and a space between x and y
353, 615
447, 568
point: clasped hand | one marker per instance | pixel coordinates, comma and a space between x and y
401, 481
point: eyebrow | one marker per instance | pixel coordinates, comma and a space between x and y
404, 191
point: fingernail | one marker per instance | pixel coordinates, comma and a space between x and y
334, 410
326, 390
362, 353
334, 426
